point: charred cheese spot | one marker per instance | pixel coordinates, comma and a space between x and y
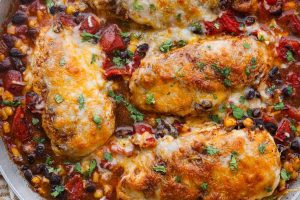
74, 91
200, 75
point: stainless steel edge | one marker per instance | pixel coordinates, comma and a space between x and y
11, 173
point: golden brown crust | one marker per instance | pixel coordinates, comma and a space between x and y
199, 71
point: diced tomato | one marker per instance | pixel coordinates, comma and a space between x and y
284, 131
287, 44
90, 25
213, 28
141, 128
291, 20
13, 81
74, 187
116, 72
111, 39
293, 78
293, 113
67, 20
229, 23
271, 2
20, 125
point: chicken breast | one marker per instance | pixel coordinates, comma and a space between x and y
206, 162
78, 115
161, 13
199, 76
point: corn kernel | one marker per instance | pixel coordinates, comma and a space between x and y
98, 194
15, 152
32, 22
95, 177
18, 43
11, 29
229, 122
7, 96
248, 122
3, 114
45, 180
39, 15
1, 57
41, 191
107, 189
70, 10
8, 110
289, 5
36, 180
6, 127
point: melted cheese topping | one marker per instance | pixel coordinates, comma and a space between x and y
67, 73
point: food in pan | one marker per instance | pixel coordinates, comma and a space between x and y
153, 99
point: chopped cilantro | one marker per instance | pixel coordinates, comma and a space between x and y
49, 161
201, 65
152, 7
242, 99
290, 90
57, 191
125, 34
178, 17
177, 179
215, 118
253, 61
160, 169
58, 98
247, 70
237, 112
204, 186
49, 3
261, 38
93, 165
166, 46
94, 58
78, 168
196, 27
233, 164
108, 156
118, 61
39, 140
137, 6
294, 129
135, 114
268, 189
210, 150
81, 101
262, 148
246, 45
227, 82
285, 175
279, 106
62, 62
35, 121
14, 103
290, 56
181, 43
150, 100
98, 121
249, 112
86, 37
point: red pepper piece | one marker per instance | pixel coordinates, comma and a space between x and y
90, 25
74, 187
229, 23
20, 126
67, 20
13, 81
284, 131
141, 128
111, 39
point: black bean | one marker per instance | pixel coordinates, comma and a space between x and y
165, 128
250, 93
19, 18
259, 123
9, 40
40, 149
295, 145
90, 187
14, 52
6, 64
287, 92
28, 174
26, 1
143, 48
54, 179
271, 127
273, 73
250, 20
256, 112
31, 158
225, 4
33, 32
18, 64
